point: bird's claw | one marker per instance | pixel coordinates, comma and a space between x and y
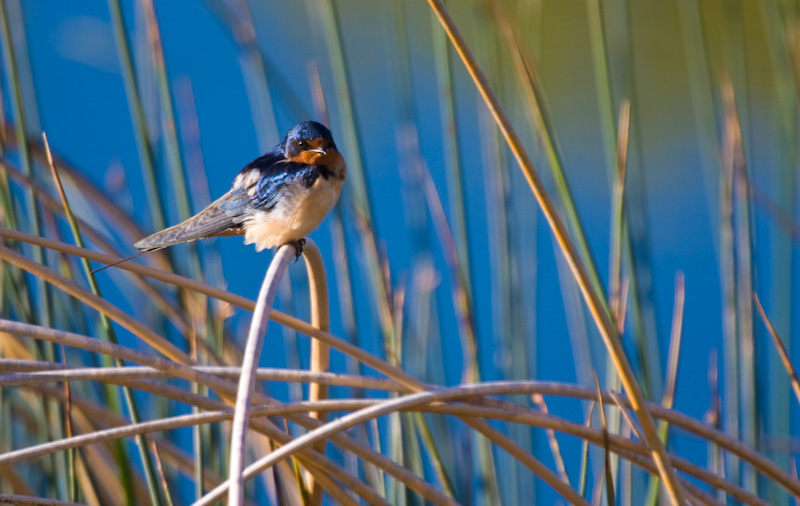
298, 248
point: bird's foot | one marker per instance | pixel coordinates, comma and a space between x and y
298, 248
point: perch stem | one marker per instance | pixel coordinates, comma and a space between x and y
252, 352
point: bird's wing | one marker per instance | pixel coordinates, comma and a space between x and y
257, 187
209, 222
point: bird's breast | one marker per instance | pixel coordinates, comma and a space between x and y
298, 210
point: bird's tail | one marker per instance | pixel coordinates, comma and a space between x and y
211, 221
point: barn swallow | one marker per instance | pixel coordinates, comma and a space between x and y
277, 199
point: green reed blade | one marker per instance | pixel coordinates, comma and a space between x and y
145, 148
110, 335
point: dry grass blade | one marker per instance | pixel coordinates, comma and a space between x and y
162, 478
73, 475
675, 341
551, 438
743, 256
108, 331
96, 237
46, 372
785, 220
618, 216
585, 453
95, 302
780, 348
673, 360
609, 476
73, 485
169, 423
593, 300
25, 500
627, 416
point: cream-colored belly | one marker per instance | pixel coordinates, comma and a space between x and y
298, 212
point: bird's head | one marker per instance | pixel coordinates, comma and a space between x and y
309, 142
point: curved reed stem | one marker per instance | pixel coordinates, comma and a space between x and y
391, 371
96, 237
29, 372
135, 374
676, 419
364, 415
320, 352
95, 302
169, 423
320, 464
247, 382
628, 449
340, 344
227, 390
24, 500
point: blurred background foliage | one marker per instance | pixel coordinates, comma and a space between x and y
438, 258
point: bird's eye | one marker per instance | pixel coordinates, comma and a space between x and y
301, 144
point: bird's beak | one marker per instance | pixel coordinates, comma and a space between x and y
319, 150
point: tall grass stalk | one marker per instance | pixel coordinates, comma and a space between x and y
730, 354
110, 335
420, 194
254, 72
360, 198
455, 179
736, 118
608, 474
592, 298
584, 468
610, 125
20, 128
490, 468
320, 352
782, 44
673, 359
143, 144
527, 74
43, 302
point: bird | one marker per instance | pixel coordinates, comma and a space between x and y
277, 199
